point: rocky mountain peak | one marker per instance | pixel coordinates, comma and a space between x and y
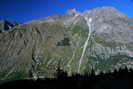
104, 13
72, 12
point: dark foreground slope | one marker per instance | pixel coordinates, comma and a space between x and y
121, 79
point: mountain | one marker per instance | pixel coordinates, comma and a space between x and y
98, 39
6, 25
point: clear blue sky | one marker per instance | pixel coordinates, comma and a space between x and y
26, 10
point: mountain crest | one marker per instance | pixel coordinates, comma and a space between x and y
72, 12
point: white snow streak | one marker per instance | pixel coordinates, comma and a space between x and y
86, 42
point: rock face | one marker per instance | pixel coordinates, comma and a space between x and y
76, 42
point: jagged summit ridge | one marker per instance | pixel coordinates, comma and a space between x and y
72, 12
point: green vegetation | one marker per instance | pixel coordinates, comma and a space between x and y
14, 76
2, 74
18, 76
77, 29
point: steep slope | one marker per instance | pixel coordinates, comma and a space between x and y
76, 42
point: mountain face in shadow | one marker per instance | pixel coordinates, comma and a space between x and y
6, 25
98, 39
121, 79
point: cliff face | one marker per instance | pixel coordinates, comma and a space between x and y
76, 42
